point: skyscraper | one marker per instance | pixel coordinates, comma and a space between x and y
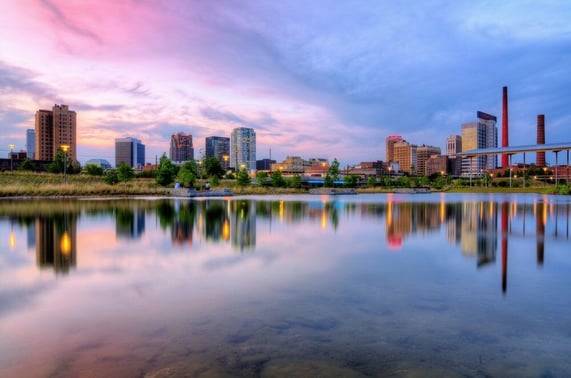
55, 128
218, 147
423, 153
243, 148
482, 133
181, 147
31, 143
453, 146
391, 140
129, 151
404, 154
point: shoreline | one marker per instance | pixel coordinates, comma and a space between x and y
285, 191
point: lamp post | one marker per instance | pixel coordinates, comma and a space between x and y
225, 158
64, 148
11, 157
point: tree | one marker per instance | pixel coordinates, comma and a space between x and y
167, 171
214, 181
277, 179
242, 177
188, 173
212, 167
27, 165
94, 170
295, 181
334, 170
261, 177
112, 177
350, 181
403, 181
125, 172
424, 181
371, 181
328, 181
186, 176
56, 166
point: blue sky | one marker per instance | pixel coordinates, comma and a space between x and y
313, 78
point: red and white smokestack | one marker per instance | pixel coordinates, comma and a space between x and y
540, 156
505, 142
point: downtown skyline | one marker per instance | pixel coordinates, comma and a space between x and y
313, 80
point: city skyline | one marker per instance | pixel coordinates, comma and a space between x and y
322, 81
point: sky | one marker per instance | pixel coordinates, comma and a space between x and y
314, 78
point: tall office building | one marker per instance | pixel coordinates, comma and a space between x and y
218, 147
181, 147
482, 133
423, 153
31, 143
243, 148
129, 151
404, 154
453, 146
391, 140
55, 128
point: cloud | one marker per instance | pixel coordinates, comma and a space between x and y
310, 78
263, 122
59, 18
16, 80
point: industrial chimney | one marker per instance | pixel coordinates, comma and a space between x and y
505, 141
540, 156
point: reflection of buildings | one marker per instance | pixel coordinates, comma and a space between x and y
479, 231
216, 223
183, 224
243, 225
56, 241
130, 224
408, 217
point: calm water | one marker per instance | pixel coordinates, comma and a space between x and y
367, 285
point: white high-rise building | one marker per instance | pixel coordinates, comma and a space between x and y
243, 149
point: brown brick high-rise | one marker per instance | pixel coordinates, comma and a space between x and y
540, 156
55, 128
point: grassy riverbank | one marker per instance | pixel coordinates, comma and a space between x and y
26, 184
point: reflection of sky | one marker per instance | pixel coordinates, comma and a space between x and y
122, 290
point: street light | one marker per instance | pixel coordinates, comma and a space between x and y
64, 148
11, 157
225, 158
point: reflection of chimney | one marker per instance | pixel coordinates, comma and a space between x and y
505, 141
505, 208
540, 231
540, 156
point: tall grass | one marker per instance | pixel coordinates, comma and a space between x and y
45, 184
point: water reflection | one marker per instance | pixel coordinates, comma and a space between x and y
56, 241
374, 285
478, 227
